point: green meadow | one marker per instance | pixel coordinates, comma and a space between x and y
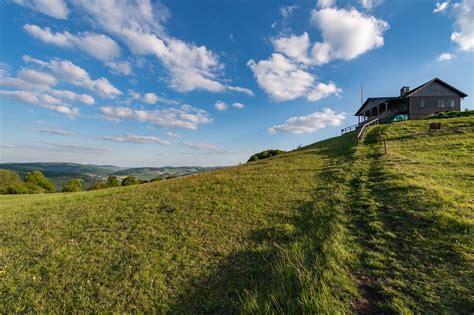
334, 227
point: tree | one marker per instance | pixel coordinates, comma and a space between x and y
11, 183
36, 182
113, 181
73, 185
130, 180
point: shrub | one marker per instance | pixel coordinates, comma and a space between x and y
36, 182
99, 185
113, 181
11, 183
451, 114
130, 180
265, 155
73, 185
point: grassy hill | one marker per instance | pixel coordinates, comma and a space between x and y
333, 227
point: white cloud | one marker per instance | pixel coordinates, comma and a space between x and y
72, 96
205, 147
37, 78
464, 22
172, 134
67, 71
119, 67
445, 57
55, 131
98, 46
76, 147
136, 139
186, 116
370, 4
346, 33
249, 92
294, 47
286, 11
220, 106
41, 99
139, 26
326, 3
284, 79
238, 105
441, 6
322, 90
55, 8
309, 123
150, 98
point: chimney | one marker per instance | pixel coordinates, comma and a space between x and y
404, 90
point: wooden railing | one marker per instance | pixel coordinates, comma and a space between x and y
349, 129
364, 127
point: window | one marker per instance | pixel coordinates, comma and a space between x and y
441, 103
422, 104
452, 103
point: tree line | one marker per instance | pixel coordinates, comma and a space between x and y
35, 182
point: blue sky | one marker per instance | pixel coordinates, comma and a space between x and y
147, 83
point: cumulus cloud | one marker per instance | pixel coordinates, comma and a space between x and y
464, 23
98, 46
238, 105
54, 8
139, 26
445, 57
37, 78
220, 106
347, 33
67, 71
186, 116
441, 6
309, 123
41, 99
249, 92
72, 96
284, 79
55, 131
294, 47
119, 67
149, 98
136, 139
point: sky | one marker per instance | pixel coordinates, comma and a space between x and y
208, 82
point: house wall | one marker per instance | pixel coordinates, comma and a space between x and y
431, 93
431, 105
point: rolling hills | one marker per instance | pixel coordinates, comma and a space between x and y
334, 227
61, 173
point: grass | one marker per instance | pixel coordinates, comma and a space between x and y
334, 227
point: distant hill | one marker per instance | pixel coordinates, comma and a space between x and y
337, 227
61, 173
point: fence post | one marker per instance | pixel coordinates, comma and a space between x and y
385, 145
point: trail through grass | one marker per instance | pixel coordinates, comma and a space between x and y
334, 227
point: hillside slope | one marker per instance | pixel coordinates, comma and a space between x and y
332, 227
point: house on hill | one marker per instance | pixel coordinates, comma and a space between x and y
432, 97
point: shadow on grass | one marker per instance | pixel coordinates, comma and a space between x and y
298, 266
414, 255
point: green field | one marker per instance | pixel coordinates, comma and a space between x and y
334, 227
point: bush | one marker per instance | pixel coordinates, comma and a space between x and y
265, 155
113, 181
130, 180
451, 114
36, 183
73, 185
11, 183
100, 185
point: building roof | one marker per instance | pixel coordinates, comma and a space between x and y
379, 100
